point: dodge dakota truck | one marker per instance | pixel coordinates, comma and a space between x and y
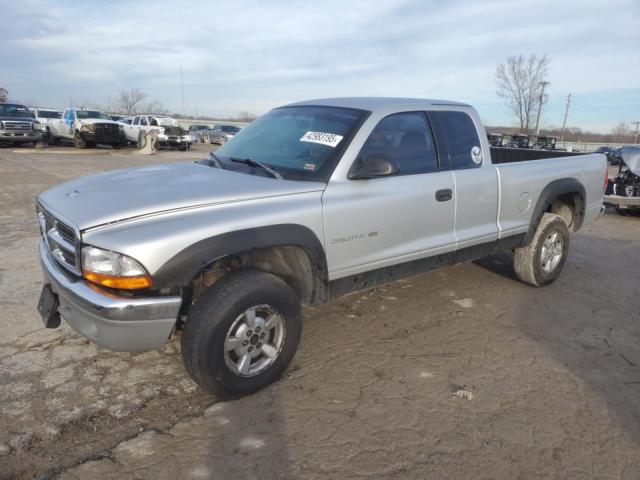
86, 128
309, 202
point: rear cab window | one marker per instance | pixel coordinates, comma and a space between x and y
457, 134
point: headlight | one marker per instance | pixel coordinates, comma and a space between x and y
114, 270
89, 127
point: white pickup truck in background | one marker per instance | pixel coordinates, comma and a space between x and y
170, 134
86, 128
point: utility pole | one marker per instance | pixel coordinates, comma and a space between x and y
184, 114
566, 113
636, 123
541, 101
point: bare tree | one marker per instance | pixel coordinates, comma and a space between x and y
4, 95
621, 132
519, 83
129, 101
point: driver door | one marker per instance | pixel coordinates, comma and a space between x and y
388, 220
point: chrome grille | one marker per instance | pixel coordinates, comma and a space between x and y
61, 240
17, 126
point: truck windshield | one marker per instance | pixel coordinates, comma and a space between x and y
84, 114
301, 143
12, 110
49, 114
229, 128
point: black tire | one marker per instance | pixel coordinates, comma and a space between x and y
78, 141
214, 314
622, 211
141, 140
53, 140
39, 144
527, 260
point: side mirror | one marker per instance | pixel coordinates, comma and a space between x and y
372, 166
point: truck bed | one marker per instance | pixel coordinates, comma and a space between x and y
512, 155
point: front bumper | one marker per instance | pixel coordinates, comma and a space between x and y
100, 137
113, 322
11, 136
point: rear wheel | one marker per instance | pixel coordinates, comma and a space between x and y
78, 141
541, 261
242, 333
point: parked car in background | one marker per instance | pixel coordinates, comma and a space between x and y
544, 142
170, 134
312, 201
200, 133
497, 139
612, 153
520, 140
43, 115
222, 133
623, 191
121, 118
18, 125
86, 128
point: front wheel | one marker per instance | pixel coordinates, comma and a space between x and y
541, 261
242, 333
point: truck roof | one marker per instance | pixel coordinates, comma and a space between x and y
374, 103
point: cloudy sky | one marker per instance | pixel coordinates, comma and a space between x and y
255, 55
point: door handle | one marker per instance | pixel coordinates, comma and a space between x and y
444, 195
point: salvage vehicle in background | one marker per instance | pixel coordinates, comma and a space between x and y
497, 139
612, 153
309, 202
86, 128
520, 140
200, 133
19, 126
623, 191
169, 132
121, 118
544, 142
43, 115
222, 133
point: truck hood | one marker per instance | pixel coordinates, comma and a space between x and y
126, 194
87, 121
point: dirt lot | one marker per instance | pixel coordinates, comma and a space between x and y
554, 372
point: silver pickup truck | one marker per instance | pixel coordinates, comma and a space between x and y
309, 202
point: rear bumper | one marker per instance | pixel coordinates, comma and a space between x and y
622, 202
113, 322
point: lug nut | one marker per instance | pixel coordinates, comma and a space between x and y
245, 343
251, 349
262, 335
259, 345
257, 329
249, 332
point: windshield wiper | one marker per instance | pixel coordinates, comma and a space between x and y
256, 164
212, 161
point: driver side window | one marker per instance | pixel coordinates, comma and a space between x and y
406, 140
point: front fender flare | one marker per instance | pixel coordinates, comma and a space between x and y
180, 270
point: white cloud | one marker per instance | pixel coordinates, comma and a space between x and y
254, 55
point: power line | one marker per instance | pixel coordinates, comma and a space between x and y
541, 101
182, 88
566, 113
636, 123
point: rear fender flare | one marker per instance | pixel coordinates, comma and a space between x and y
552, 191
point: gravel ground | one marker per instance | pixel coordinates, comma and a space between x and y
461, 373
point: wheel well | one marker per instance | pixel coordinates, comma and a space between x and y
292, 263
570, 206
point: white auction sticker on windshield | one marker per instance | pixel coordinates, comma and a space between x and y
329, 139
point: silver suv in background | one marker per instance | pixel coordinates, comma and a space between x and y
309, 202
222, 133
19, 126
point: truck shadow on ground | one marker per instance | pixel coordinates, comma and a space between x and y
588, 319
